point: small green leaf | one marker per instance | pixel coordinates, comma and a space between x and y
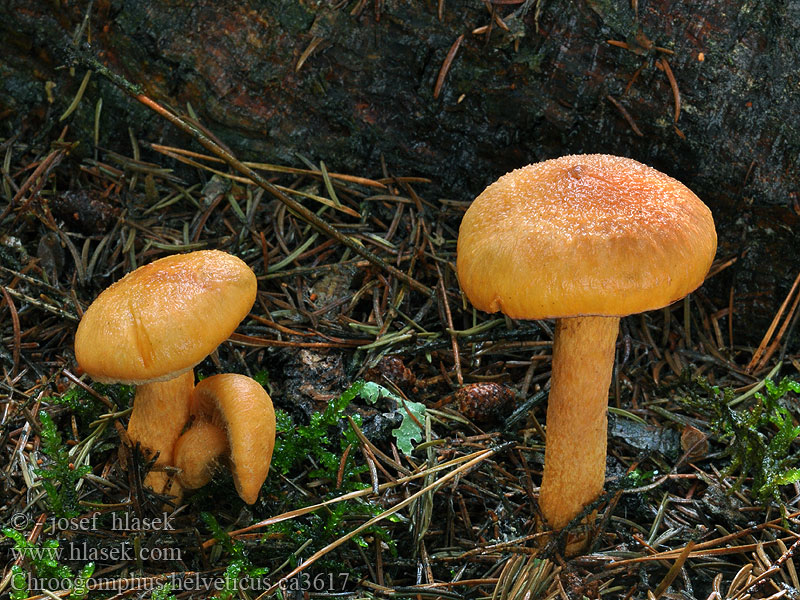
262, 377
409, 431
80, 589
163, 592
371, 391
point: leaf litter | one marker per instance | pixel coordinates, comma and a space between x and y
390, 499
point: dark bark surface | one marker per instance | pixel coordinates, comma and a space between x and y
355, 84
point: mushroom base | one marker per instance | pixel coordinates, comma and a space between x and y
577, 420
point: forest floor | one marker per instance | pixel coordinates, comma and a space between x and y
429, 473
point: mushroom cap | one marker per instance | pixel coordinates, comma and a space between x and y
583, 235
165, 317
240, 406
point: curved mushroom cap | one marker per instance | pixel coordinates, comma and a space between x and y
165, 317
241, 407
583, 235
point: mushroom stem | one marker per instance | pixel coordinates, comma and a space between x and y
160, 411
575, 450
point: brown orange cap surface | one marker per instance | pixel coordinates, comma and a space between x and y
583, 235
164, 317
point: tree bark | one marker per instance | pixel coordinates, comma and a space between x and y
360, 83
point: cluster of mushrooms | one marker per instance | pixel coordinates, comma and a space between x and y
150, 329
583, 239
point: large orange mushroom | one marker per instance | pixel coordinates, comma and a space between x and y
152, 327
583, 239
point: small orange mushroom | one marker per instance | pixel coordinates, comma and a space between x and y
198, 453
152, 327
233, 415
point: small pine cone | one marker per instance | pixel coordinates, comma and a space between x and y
484, 402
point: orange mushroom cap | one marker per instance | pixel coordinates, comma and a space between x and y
165, 317
583, 235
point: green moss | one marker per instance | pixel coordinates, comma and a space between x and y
239, 565
760, 438
87, 407
43, 559
59, 476
322, 443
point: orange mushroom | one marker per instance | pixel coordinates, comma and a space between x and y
152, 327
233, 415
583, 239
